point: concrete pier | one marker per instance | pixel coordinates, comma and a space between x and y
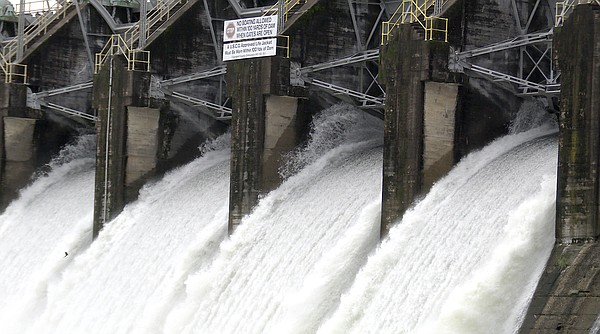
17, 147
264, 126
578, 49
567, 298
128, 138
420, 116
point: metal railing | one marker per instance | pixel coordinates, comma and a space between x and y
414, 11
13, 72
127, 43
162, 11
43, 18
564, 8
287, 8
137, 60
286, 45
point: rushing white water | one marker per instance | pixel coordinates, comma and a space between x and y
595, 326
134, 266
466, 258
51, 217
303, 243
463, 260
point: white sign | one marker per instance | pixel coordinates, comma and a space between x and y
250, 49
250, 28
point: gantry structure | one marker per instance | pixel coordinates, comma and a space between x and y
536, 73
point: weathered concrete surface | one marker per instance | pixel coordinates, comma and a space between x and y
578, 49
142, 142
567, 299
19, 162
263, 127
17, 158
281, 136
407, 62
18, 138
111, 99
439, 134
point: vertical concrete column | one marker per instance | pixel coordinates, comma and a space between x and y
264, 126
407, 63
17, 148
117, 93
577, 45
567, 298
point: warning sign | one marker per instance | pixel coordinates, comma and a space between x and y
250, 49
250, 28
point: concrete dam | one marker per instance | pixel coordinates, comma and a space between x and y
374, 120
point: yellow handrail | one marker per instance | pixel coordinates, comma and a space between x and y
117, 46
410, 11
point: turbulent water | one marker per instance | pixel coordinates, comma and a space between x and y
465, 259
138, 259
52, 216
303, 243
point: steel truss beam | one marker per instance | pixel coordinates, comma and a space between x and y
213, 72
537, 74
68, 111
365, 98
222, 112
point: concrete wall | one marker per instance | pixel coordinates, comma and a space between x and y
439, 134
142, 143
281, 136
567, 298
17, 148
407, 63
115, 90
19, 162
263, 127
578, 49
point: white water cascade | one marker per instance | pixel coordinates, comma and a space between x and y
51, 217
465, 259
134, 266
303, 243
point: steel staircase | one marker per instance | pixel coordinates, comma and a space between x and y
127, 44
47, 22
425, 13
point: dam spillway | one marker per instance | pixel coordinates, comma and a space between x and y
446, 77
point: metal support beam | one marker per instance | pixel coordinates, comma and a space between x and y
143, 24
213, 72
222, 112
213, 35
21, 32
64, 90
349, 92
68, 111
85, 37
356, 58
